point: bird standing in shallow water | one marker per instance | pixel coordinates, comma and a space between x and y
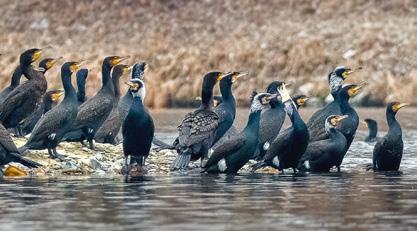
288, 147
93, 112
372, 126
388, 151
316, 122
237, 151
322, 155
22, 101
50, 129
197, 130
138, 130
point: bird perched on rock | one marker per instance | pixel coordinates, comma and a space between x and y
197, 130
93, 112
138, 129
22, 101
322, 155
50, 129
388, 151
237, 151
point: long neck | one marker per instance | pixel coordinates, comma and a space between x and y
116, 85
226, 91
373, 129
206, 96
253, 121
394, 127
81, 91
335, 84
17, 74
28, 71
105, 71
70, 93
137, 104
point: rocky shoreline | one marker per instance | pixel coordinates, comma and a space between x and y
106, 161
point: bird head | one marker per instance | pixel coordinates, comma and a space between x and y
396, 106
261, 100
114, 60
334, 120
300, 100
48, 63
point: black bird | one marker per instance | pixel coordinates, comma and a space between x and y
108, 132
217, 100
197, 130
9, 152
322, 155
372, 125
50, 129
15, 81
348, 126
316, 123
82, 75
138, 128
49, 100
271, 121
93, 112
237, 151
22, 101
138, 72
226, 111
388, 151
288, 147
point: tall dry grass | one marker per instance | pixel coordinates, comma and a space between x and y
293, 40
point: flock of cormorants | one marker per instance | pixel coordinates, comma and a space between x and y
206, 134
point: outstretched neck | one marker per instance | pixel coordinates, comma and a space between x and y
206, 97
17, 74
68, 88
253, 121
393, 126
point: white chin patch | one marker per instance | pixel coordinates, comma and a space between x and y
307, 164
222, 165
275, 161
266, 146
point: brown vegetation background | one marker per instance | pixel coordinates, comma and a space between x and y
298, 40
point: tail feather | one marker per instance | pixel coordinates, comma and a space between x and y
182, 161
22, 150
15, 157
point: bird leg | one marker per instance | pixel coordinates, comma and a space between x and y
295, 170
338, 168
55, 155
125, 168
91, 144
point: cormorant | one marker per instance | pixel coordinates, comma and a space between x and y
22, 101
389, 150
9, 152
108, 132
50, 129
217, 100
197, 130
138, 128
348, 126
271, 121
288, 147
15, 81
316, 122
226, 111
237, 151
372, 125
82, 75
322, 155
49, 100
93, 112
138, 72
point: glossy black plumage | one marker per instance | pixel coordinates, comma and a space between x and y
22, 101
197, 130
138, 128
372, 126
237, 151
49, 100
93, 112
50, 129
288, 147
316, 122
15, 81
271, 120
388, 151
322, 155
109, 130
82, 76
9, 152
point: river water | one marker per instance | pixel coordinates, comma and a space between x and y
354, 199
